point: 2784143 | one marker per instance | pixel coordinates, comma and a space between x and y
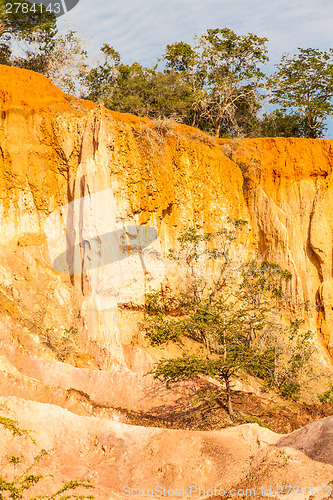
324, 491
25, 8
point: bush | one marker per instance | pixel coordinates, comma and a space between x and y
327, 396
17, 487
290, 390
64, 345
236, 315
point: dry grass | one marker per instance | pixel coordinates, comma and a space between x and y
64, 345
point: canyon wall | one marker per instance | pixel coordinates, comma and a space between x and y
81, 185
288, 185
90, 202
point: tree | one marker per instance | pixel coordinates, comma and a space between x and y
303, 84
18, 23
223, 71
182, 59
232, 77
60, 57
214, 86
136, 89
41, 48
236, 316
99, 80
281, 124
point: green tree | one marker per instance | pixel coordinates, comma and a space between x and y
22, 24
281, 124
303, 84
230, 65
236, 316
226, 81
136, 89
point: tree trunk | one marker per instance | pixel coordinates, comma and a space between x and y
207, 344
3, 28
251, 338
217, 129
229, 402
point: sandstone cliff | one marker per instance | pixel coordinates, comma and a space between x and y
56, 150
290, 202
74, 179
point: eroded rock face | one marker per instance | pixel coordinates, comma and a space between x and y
72, 173
290, 201
76, 183
90, 202
117, 172
119, 458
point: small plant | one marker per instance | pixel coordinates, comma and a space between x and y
295, 361
231, 148
207, 397
68, 344
283, 454
162, 330
17, 487
290, 390
151, 138
327, 396
63, 345
250, 419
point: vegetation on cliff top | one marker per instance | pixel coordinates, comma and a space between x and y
218, 84
29, 39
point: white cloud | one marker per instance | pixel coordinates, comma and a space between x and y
141, 30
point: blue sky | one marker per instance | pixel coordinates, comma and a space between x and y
140, 29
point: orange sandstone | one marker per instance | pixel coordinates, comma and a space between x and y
56, 148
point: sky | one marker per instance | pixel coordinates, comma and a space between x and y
141, 29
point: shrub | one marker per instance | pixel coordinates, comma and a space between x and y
327, 396
17, 487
